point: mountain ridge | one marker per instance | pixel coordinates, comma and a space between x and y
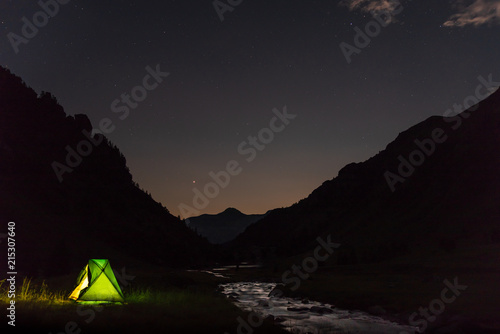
97, 211
224, 226
358, 204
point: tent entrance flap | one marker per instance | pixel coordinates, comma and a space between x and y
82, 284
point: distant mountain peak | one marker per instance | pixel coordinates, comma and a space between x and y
224, 226
233, 211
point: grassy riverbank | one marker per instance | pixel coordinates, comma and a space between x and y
171, 302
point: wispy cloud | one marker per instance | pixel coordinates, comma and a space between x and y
374, 7
478, 13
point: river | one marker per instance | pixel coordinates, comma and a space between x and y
303, 316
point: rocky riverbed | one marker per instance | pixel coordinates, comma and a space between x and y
304, 316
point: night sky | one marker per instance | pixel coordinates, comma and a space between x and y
226, 77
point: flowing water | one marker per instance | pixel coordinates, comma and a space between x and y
302, 316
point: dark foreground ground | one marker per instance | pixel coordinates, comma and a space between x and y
166, 301
169, 302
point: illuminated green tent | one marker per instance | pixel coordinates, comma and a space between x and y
97, 283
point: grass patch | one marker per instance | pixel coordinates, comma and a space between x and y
173, 297
173, 302
32, 292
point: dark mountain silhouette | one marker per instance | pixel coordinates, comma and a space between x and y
222, 227
449, 201
97, 211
